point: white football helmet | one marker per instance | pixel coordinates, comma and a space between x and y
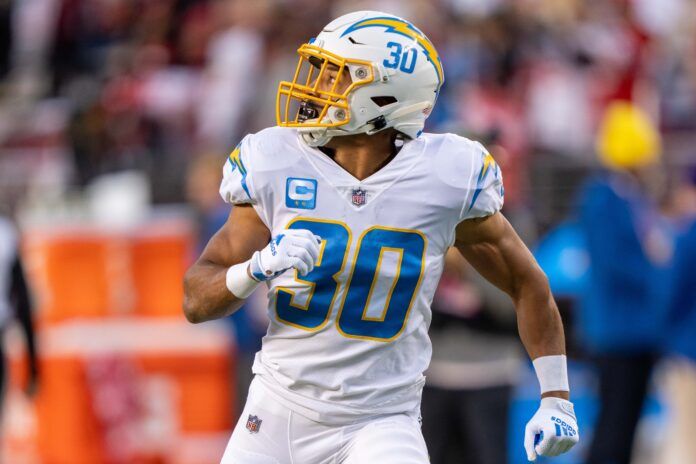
395, 74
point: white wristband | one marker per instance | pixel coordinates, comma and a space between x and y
238, 281
552, 372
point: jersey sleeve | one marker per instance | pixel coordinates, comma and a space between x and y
236, 186
486, 191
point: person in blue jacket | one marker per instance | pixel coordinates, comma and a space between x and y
622, 310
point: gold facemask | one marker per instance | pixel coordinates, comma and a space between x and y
301, 103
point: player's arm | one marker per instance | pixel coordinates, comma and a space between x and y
238, 258
206, 295
494, 249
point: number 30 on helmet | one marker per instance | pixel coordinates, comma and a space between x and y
386, 73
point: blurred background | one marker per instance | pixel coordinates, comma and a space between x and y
116, 117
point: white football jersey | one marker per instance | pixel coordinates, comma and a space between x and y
351, 337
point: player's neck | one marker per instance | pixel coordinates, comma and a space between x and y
362, 155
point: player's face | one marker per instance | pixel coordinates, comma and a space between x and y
333, 81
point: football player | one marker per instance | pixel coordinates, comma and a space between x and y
345, 211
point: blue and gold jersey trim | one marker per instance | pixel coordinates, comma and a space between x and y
489, 165
235, 160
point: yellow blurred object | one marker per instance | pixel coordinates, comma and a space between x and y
627, 138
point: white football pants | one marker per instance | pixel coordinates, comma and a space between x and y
285, 437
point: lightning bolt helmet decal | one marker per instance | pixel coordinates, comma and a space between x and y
406, 29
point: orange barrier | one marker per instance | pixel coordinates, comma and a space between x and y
131, 390
157, 266
90, 272
124, 378
70, 275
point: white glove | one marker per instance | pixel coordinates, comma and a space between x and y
553, 430
292, 248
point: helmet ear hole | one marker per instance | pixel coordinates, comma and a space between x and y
384, 100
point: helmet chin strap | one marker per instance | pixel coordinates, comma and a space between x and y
404, 113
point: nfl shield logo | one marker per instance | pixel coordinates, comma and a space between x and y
359, 197
253, 424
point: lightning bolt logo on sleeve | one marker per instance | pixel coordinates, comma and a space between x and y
488, 162
235, 160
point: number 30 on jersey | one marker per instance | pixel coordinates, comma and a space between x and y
324, 286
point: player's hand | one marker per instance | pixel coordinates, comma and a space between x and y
553, 430
291, 248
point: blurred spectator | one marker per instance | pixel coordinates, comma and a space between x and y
229, 90
145, 84
622, 311
202, 182
476, 362
679, 380
15, 303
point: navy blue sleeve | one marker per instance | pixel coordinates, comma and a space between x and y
613, 244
